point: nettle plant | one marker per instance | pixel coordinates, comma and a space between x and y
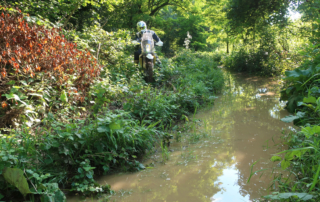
33, 53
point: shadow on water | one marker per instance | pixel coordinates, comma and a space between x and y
241, 128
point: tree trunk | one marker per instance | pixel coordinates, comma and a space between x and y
227, 46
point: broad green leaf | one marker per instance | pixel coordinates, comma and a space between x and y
53, 194
303, 150
141, 166
11, 82
291, 118
114, 126
310, 100
297, 73
35, 94
309, 105
289, 156
309, 131
63, 96
298, 153
285, 164
15, 177
12, 96
24, 83
300, 104
103, 129
276, 158
278, 196
89, 175
88, 168
59, 196
80, 170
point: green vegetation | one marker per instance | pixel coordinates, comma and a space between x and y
74, 105
301, 90
71, 111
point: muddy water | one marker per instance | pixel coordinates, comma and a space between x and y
212, 162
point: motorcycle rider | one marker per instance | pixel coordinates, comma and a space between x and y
142, 28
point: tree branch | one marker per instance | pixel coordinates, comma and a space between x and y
154, 11
72, 12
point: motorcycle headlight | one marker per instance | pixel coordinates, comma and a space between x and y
148, 48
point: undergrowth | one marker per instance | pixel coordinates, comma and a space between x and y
62, 133
262, 62
302, 159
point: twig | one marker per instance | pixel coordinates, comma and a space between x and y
24, 170
71, 13
35, 125
98, 51
174, 88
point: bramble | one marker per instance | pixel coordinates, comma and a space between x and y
27, 49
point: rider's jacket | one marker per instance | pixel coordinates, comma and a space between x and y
154, 35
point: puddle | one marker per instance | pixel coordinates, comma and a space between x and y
240, 129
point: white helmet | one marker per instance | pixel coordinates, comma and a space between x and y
141, 26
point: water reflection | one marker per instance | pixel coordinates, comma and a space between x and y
239, 130
276, 110
231, 189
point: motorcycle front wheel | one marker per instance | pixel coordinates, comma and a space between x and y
149, 70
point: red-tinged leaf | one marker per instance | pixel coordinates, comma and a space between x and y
3, 74
7, 45
16, 65
4, 105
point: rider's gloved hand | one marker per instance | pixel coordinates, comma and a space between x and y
135, 42
159, 43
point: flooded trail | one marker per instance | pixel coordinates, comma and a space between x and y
213, 161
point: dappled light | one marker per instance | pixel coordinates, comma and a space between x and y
159, 100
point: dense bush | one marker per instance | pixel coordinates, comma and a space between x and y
262, 62
33, 61
70, 152
302, 162
160, 105
195, 71
301, 88
302, 91
32, 48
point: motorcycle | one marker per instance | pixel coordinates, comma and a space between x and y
147, 58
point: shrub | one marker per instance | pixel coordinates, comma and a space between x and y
30, 48
70, 153
261, 61
31, 55
196, 68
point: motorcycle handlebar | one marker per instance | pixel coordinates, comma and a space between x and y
135, 42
